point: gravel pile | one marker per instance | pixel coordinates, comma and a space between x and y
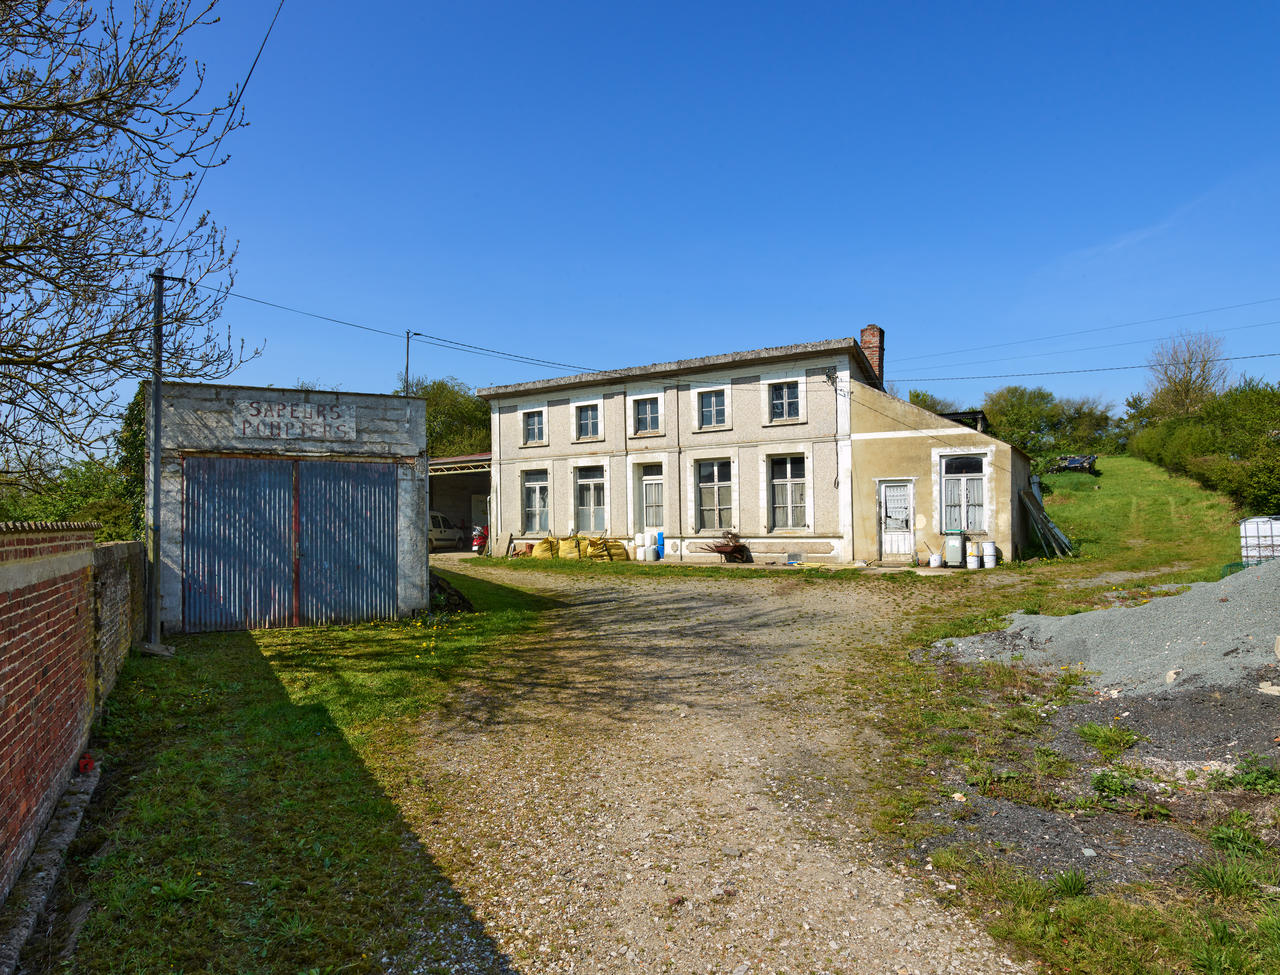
1220, 634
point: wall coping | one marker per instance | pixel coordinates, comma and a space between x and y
26, 527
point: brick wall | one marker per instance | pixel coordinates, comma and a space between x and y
119, 608
52, 677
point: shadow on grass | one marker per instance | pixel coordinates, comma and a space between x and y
236, 830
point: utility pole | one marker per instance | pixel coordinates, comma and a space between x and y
154, 646
407, 334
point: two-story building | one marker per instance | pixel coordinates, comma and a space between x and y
796, 449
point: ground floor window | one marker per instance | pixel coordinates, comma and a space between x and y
535, 491
962, 495
787, 489
589, 492
651, 496
715, 494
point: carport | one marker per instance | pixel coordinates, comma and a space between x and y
459, 489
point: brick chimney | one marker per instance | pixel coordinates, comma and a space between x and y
872, 342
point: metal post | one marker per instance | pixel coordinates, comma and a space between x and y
406, 362
156, 340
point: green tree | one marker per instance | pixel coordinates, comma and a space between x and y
927, 401
1022, 416
85, 490
131, 449
457, 419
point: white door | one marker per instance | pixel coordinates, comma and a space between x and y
897, 515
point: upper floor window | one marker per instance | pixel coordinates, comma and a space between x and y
784, 401
963, 508
711, 411
533, 429
588, 421
647, 415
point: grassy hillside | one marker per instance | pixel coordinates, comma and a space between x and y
1138, 517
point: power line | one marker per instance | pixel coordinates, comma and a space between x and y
1086, 331
1111, 345
225, 128
420, 337
1068, 372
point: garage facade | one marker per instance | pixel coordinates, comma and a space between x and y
290, 507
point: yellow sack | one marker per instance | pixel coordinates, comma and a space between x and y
573, 548
606, 550
546, 548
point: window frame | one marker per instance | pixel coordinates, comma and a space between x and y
603, 507
545, 508
522, 412
717, 464
655, 417
525, 417
787, 417
578, 409
769, 381
941, 479
792, 482
642, 508
698, 394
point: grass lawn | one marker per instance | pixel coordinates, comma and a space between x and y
252, 816
247, 819
1136, 516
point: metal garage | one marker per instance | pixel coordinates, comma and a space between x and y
286, 542
290, 507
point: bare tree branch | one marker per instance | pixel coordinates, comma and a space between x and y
1186, 372
103, 133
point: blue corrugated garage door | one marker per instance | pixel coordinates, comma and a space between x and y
347, 550
270, 542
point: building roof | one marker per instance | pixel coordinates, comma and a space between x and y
679, 367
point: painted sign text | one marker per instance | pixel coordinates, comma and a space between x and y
273, 420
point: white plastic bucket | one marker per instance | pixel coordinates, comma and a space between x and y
972, 562
642, 553
639, 540
651, 553
989, 548
988, 561
935, 560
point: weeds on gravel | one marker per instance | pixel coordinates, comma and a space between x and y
1111, 784
1231, 878
1111, 740
1252, 774
1070, 883
1236, 841
1122, 931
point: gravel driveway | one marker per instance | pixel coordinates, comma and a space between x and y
662, 781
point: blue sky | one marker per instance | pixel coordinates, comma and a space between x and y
608, 185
